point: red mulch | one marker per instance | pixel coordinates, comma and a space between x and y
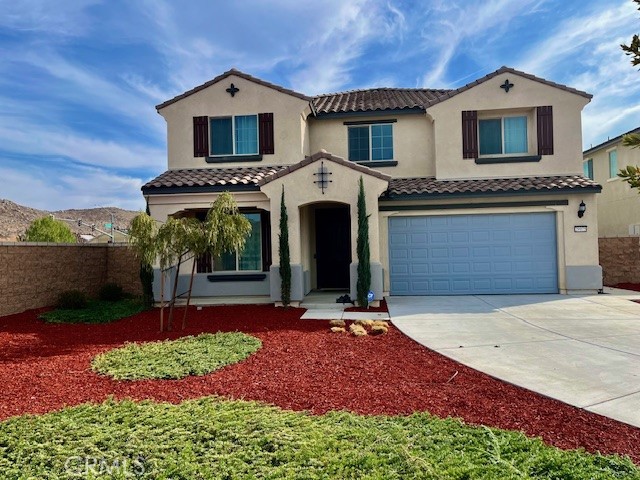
301, 367
381, 308
628, 286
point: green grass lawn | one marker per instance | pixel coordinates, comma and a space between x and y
97, 311
214, 438
176, 358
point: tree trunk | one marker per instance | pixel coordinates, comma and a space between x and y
161, 300
186, 309
174, 294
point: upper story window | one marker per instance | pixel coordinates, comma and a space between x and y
613, 164
233, 138
503, 135
588, 168
237, 135
371, 142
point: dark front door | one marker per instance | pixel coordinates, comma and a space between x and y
333, 247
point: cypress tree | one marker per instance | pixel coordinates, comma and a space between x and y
283, 249
364, 267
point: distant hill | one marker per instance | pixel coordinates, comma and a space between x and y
14, 218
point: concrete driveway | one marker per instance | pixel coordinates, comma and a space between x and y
582, 350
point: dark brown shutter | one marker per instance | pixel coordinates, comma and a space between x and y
265, 221
266, 133
470, 134
200, 136
545, 130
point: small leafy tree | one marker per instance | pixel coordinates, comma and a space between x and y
47, 229
142, 234
283, 249
631, 175
633, 50
364, 261
223, 230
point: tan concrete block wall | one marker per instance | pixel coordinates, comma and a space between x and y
620, 259
32, 275
123, 268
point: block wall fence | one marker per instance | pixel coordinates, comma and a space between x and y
32, 275
620, 259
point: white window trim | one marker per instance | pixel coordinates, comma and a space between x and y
501, 118
369, 125
609, 150
593, 171
233, 135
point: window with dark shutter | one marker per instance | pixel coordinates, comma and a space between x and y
470, 134
265, 121
545, 130
200, 136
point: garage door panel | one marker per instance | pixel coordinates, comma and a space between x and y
468, 254
441, 238
440, 268
439, 253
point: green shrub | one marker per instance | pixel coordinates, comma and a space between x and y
176, 358
111, 292
96, 311
72, 300
212, 438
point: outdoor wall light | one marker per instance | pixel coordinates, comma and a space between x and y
581, 209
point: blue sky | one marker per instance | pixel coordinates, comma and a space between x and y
79, 79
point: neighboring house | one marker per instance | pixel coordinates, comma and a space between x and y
118, 237
470, 191
619, 204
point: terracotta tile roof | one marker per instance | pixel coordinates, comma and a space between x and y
212, 178
240, 178
501, 70
426, 186
226, 74
373, 99
376, 99
324, 155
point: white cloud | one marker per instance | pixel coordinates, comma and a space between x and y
65, 18
78, 84
68, 186
319, 42
590, 45
451, 27
25, 138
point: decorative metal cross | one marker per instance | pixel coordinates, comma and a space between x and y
323, 180
232, 90
506, 85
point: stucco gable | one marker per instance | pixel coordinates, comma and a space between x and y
324, 155
500, 71
236, 73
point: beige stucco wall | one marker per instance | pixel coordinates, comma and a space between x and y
574, 249
163, 206
300, 191
413, 143
289, 118
618, 204
526, 94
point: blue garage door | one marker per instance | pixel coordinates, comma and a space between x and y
473, 254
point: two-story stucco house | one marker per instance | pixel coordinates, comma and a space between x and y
476, 190
619, 204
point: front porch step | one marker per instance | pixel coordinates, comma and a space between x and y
325, 306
